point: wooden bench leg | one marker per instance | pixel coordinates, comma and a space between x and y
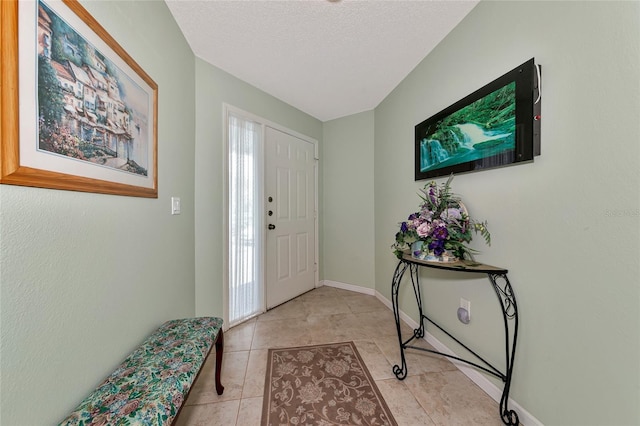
219, 350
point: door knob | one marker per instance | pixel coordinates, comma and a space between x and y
272, 226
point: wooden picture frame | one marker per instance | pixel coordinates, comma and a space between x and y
76, 111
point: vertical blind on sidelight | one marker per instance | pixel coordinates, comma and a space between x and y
245, 218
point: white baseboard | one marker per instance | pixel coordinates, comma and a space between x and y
476, 377
350, 287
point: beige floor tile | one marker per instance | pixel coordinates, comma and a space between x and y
250, 412
285, 333
278, 333
377, 364
403, 405
219, 413
451, 398
325, 305
335, 327
362, 326
255, 376
234, 367
324, 291
321, 330
363, 303
293, 309
377, 323
239, 338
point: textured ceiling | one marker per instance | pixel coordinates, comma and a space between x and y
327, 58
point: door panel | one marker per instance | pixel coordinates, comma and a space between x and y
282, 257
290, 182
302, 255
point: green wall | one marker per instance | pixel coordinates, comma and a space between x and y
567, 226
215, 87
348, 216
85, 277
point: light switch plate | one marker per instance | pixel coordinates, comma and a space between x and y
175, 205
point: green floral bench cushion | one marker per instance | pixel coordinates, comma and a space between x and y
149, 387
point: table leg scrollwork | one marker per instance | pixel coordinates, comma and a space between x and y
400, 371
506, 298
504, 292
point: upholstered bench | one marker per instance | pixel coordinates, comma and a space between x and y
152, 383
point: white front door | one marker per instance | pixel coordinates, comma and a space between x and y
290, 216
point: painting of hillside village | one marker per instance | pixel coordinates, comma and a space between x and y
88, 108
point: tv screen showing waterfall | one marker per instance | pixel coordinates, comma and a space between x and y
497, 125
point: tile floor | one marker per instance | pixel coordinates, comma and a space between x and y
435, 392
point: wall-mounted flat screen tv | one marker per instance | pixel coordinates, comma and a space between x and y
497, 125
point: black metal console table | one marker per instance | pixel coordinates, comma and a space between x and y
500, 282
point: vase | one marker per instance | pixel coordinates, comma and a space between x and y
418, 253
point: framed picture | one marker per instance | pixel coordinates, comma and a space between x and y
77, 112
497, 125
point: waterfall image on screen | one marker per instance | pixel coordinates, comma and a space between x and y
483, 129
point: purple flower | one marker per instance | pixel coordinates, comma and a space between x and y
440, 233
404, 227
437, 246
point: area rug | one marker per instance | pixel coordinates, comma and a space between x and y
321, 385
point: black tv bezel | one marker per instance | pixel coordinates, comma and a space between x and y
527, 137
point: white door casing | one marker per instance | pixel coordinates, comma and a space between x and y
290, 196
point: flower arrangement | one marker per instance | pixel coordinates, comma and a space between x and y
442, 224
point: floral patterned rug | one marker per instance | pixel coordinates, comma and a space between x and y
321, 385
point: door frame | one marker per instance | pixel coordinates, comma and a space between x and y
226, 109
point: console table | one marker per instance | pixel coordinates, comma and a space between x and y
500, 282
